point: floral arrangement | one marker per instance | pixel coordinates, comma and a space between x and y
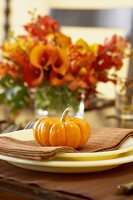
46, 58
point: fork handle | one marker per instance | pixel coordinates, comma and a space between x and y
126, 188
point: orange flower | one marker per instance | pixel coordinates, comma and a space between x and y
88, 76
62, 40
41, 27
33, 76
79, 59
40, 56
77, 84
57, 79
7, 69
47, 56
83, 71
92, 77
61, 62
3, 69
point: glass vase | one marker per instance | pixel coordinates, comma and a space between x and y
52, 101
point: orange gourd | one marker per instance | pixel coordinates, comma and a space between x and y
66, 131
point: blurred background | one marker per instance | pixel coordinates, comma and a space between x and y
92, 20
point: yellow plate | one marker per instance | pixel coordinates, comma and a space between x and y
69, 166
72, 162
25, 135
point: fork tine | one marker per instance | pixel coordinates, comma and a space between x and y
11, 128
14, 127
29, 125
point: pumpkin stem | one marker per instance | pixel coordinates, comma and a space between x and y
66, 111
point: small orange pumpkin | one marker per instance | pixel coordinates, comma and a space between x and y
66, 131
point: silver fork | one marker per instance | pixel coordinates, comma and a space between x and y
11, 128
29, 125
14, 127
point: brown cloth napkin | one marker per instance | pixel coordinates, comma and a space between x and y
102, 139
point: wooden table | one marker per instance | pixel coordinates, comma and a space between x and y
21, 184
106, 117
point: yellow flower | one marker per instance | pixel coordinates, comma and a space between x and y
83, 71
9, 48
26, 44
94, 48
83, 46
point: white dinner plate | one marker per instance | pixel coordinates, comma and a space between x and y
69, 166
25, 135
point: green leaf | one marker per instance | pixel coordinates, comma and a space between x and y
14, 93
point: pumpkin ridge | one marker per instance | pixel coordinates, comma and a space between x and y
80, 135
50, 132
36, 130
56, 132
72, 124
65, 132
42, 133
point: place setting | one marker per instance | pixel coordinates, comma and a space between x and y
66, 100
44, 71
40, 149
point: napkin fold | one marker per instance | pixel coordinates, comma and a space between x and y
29, 149
102, 139
106, 139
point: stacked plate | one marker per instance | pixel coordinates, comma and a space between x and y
74, 162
